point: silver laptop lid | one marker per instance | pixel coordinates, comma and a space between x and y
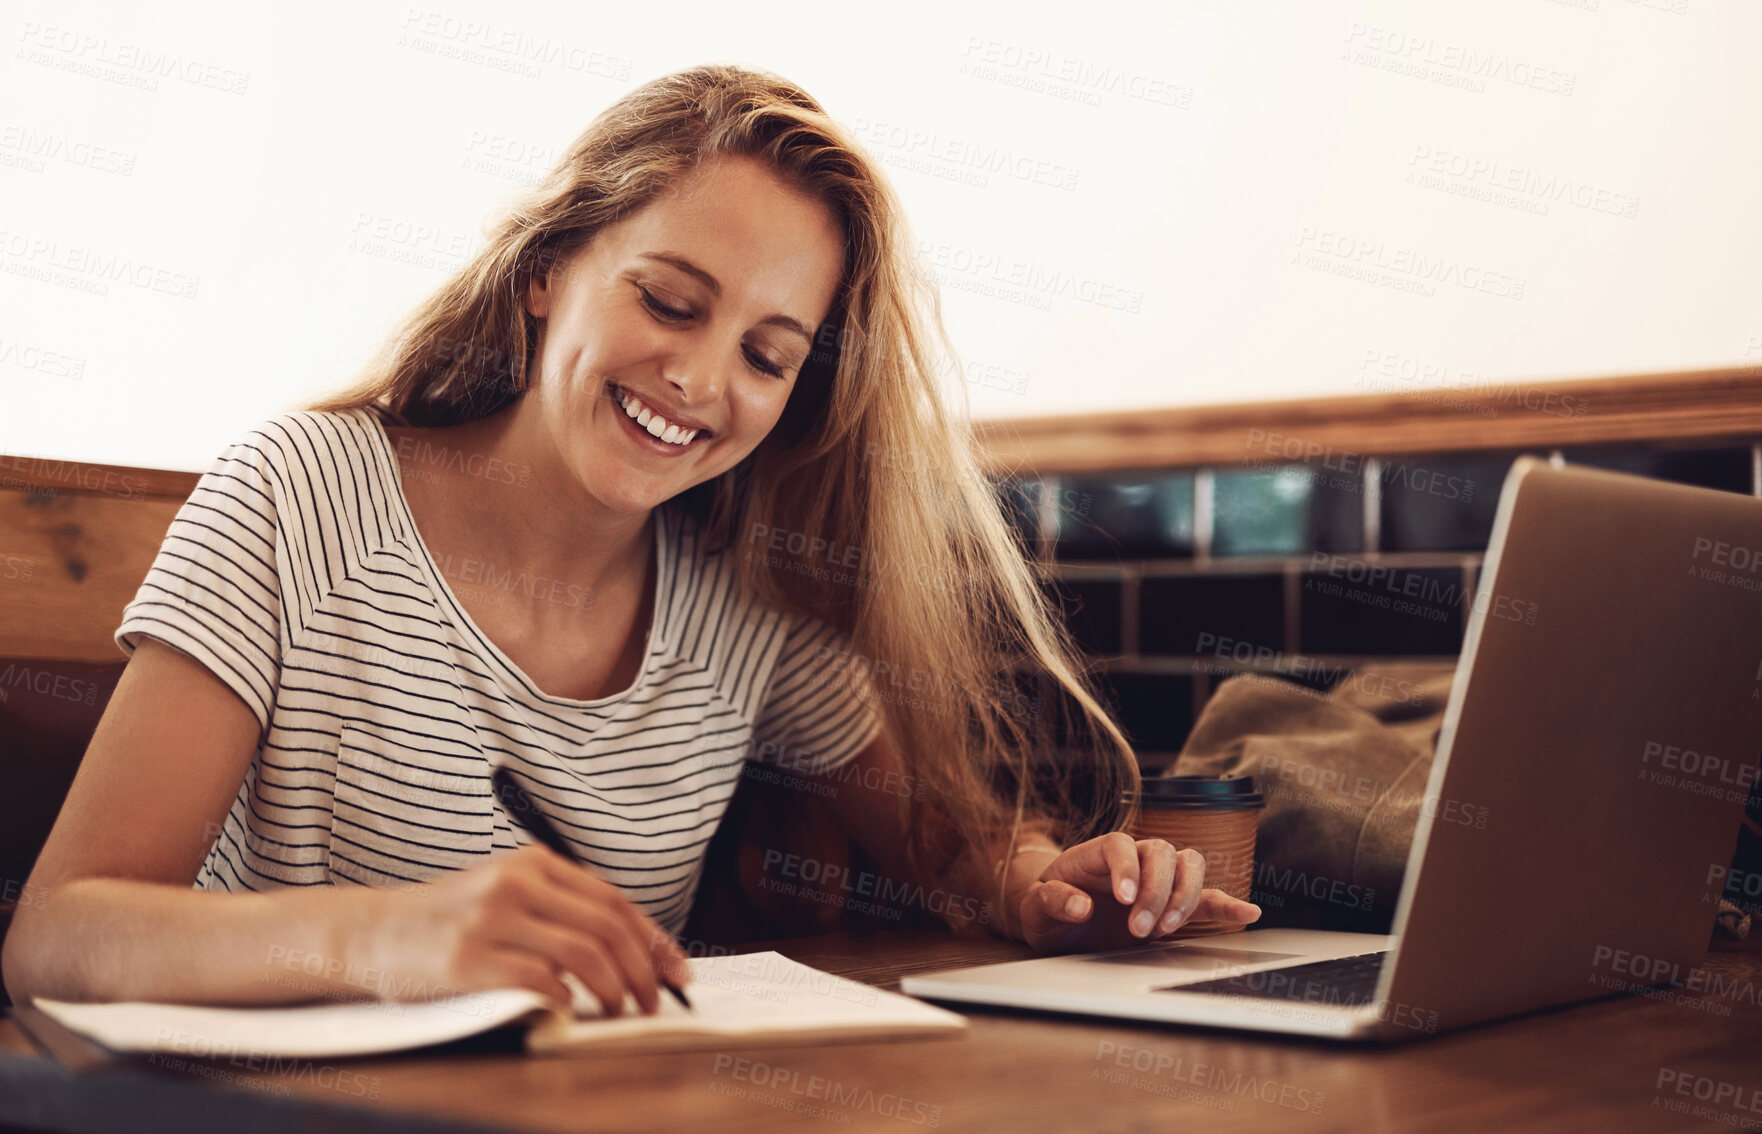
1598, 746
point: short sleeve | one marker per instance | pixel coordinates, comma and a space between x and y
819, 710
214, 590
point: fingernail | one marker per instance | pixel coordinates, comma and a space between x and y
1128, 890
1170, 920
1075, 905
1141, 922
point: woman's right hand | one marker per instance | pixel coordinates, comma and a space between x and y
519, 921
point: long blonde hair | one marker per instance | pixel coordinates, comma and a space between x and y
882, 523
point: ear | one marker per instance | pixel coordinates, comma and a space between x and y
538, 295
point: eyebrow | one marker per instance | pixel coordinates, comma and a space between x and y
715, 287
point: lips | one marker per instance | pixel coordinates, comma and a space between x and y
685, 425
640, 433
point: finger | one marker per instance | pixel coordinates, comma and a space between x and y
1215, 905
661, 946
584, 957
648, 944
644, 950
600, 909
592, 960
1120, 852
1063, 902
1157, 870
1096, 864
513, 968
669, 959
630, 950
659, 950
1190, 882
663, 950
1048, 919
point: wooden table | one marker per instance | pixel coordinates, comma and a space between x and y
1615, 1064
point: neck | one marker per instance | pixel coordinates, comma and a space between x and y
523, 505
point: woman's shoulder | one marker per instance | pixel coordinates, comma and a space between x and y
306, 450
291, 424
316, 480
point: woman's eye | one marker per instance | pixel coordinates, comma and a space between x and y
660, 309
761, 363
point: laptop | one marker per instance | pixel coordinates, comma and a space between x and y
1605, 723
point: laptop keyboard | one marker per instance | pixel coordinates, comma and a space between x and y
1344, 981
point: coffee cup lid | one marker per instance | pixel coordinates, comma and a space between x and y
1218, 793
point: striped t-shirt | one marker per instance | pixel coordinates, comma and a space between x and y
296, 574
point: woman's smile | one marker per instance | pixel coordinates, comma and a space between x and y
649, 431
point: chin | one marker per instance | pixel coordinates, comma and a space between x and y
631, 500
621, 491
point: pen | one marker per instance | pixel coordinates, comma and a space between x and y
520, 808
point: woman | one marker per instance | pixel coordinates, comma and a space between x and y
658, 487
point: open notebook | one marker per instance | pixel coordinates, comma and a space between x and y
744, 1000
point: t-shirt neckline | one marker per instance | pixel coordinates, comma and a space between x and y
462, 619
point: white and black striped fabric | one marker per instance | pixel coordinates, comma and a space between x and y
295, 573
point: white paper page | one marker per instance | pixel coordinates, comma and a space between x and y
340, 1029
755, 993
732, 995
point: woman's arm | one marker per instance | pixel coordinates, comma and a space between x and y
108, 912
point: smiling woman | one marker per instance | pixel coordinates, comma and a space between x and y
685, 387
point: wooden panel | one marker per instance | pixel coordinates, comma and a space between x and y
122, 481
69, 563
1703, 405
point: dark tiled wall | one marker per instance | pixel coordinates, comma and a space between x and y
1174, 578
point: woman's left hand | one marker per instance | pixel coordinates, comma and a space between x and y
1114, 891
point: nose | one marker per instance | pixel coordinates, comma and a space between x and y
698, 372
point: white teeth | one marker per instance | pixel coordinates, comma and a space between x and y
654, 423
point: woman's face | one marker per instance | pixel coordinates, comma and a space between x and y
702, 307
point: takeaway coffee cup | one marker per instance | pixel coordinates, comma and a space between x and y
1217, 816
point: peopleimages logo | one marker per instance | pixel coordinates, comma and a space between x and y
1452, 64
1698, 773
1735, 565
1482, 178
1347, 254
44, 683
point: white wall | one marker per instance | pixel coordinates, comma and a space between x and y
210, 213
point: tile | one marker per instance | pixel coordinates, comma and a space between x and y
1155, 710
1288, 510
1188, 615
1091, 609
1020, 500
1125, 515
1356, 607
1726, 467
1441, 501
